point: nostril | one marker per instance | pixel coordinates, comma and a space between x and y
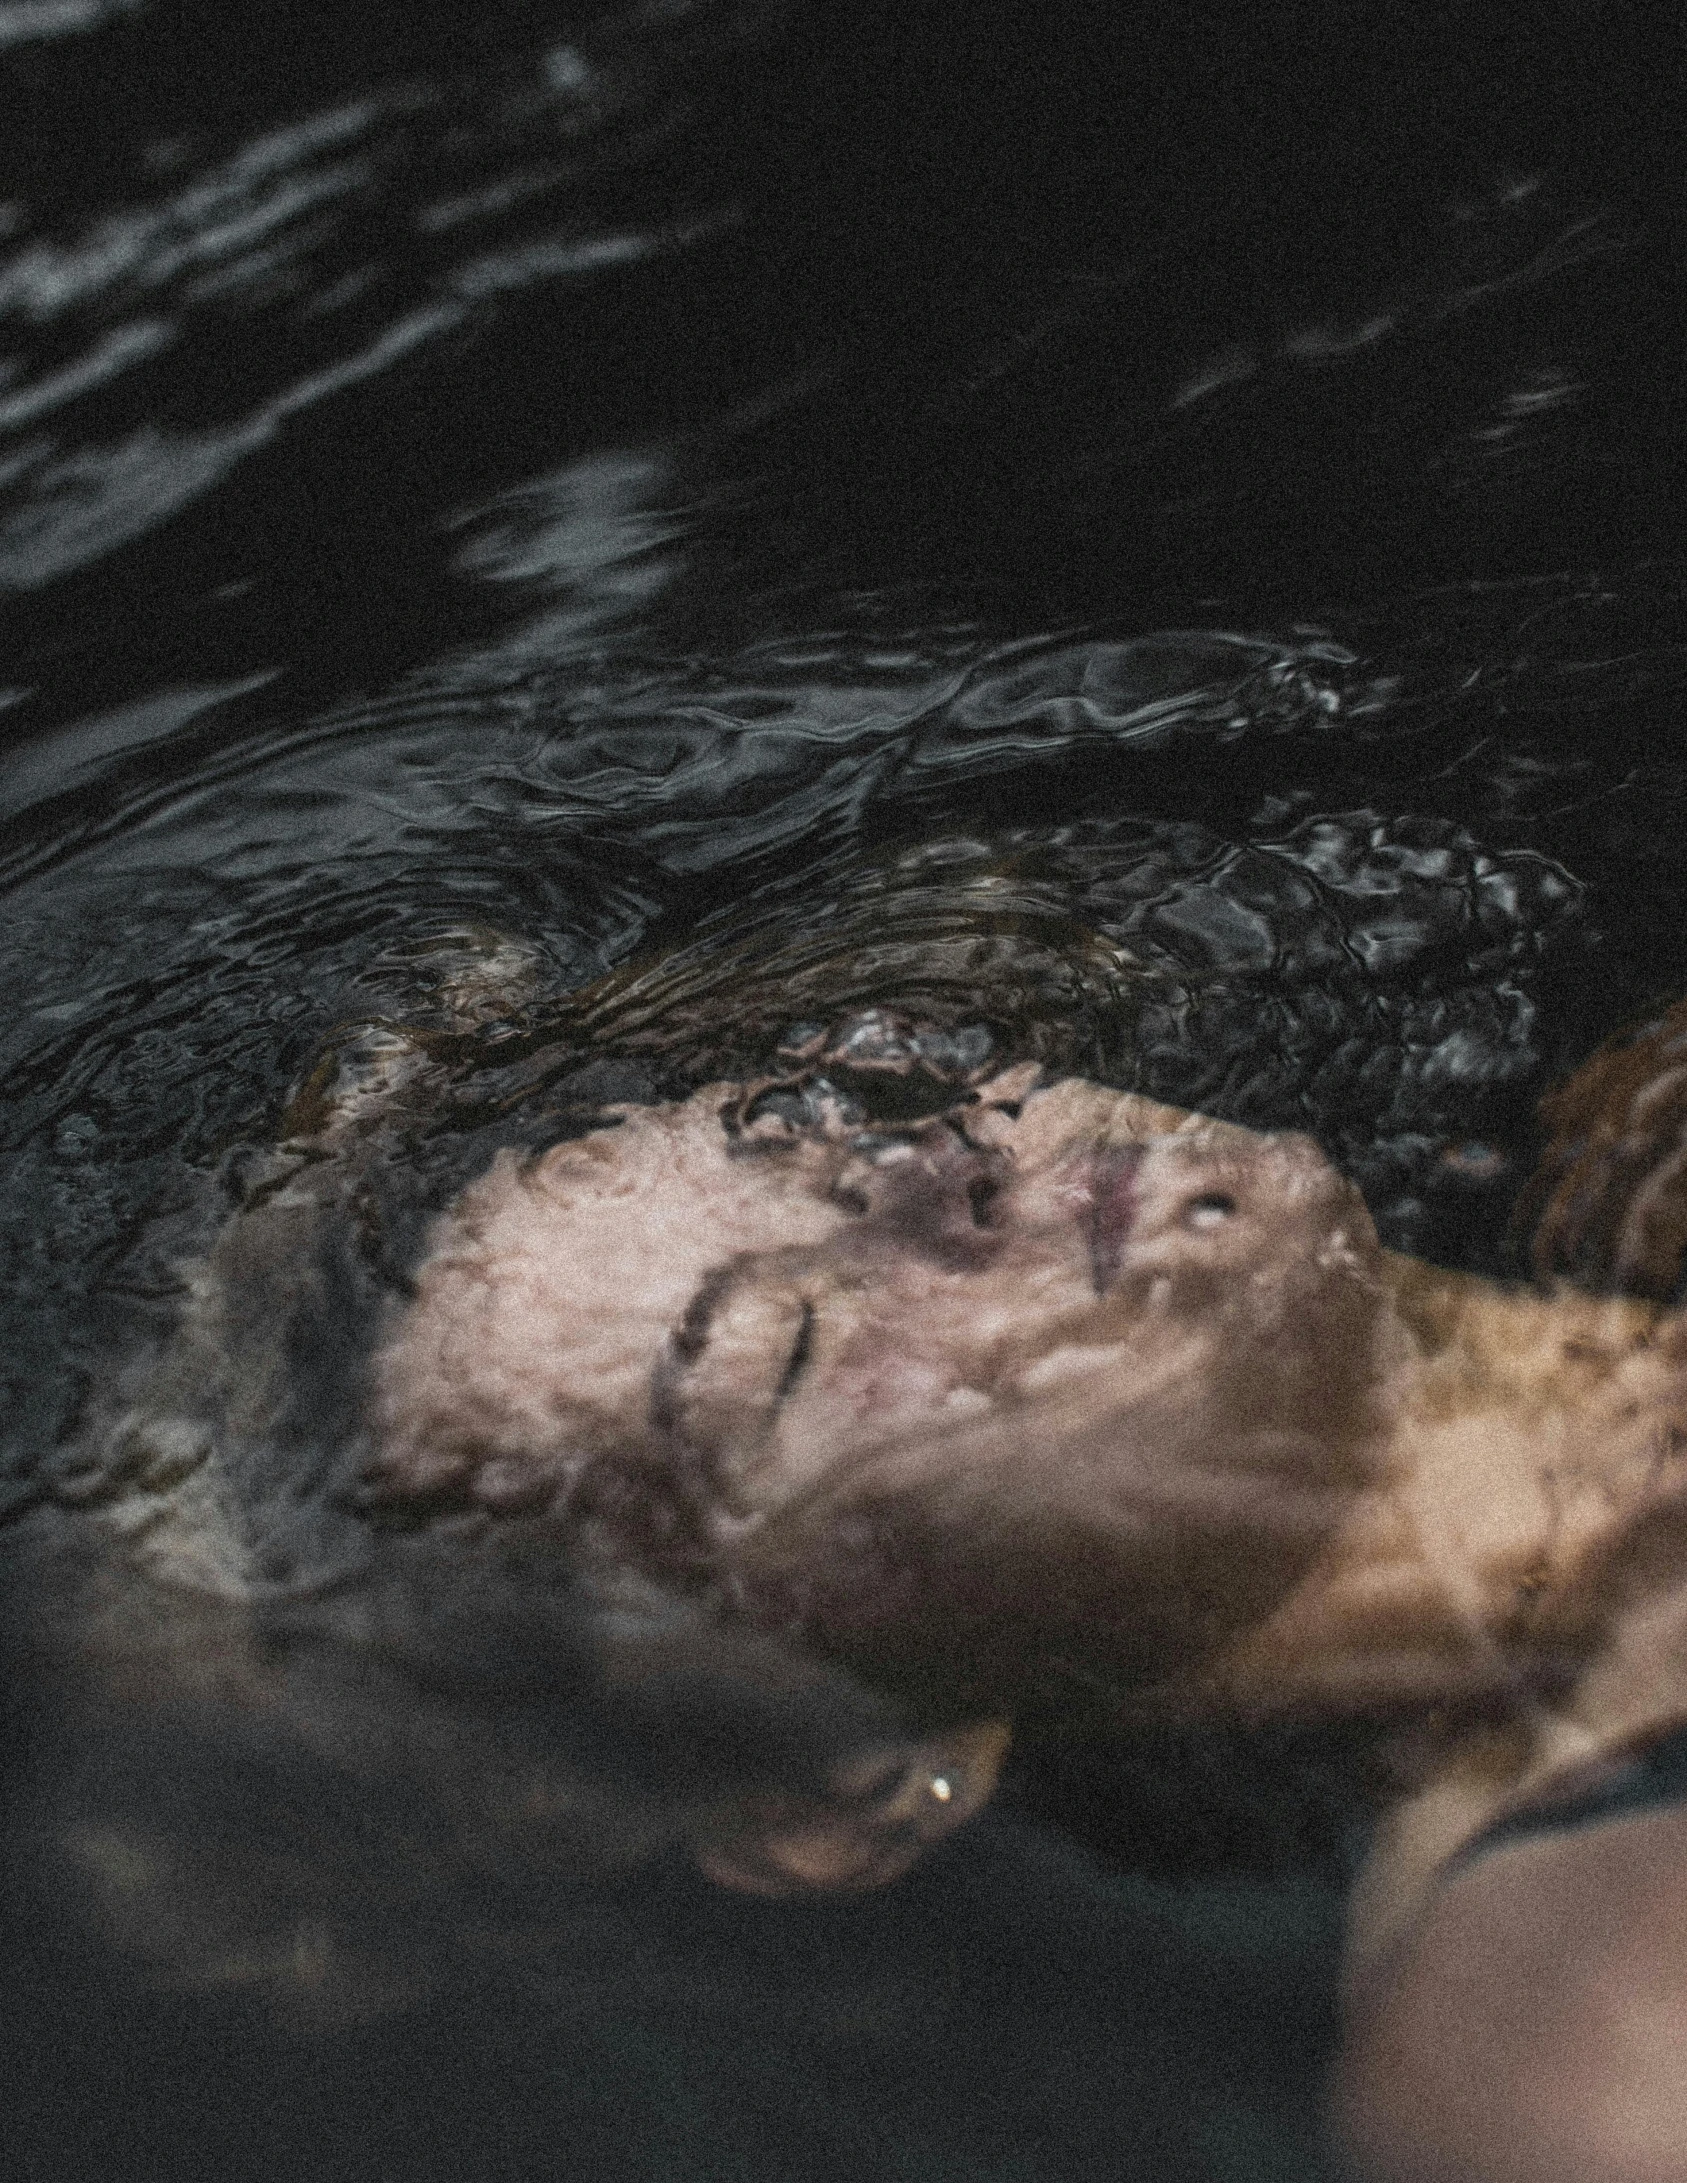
982, 1193
1210, 1210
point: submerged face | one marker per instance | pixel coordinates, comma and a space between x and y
1065, 1371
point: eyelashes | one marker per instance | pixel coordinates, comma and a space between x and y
691, 1337
802, 1349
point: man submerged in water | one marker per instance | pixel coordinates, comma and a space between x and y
1059, 1382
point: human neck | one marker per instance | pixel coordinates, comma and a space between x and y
1524, 1435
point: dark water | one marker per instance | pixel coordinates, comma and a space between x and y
1160, 538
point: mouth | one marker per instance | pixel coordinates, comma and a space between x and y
1112, 1211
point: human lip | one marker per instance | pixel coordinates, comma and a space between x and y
1112, 1209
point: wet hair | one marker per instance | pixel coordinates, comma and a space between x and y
255, 1708
389, 1670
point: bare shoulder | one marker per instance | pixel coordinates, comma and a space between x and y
1533, 2028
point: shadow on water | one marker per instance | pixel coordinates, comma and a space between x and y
1156, 541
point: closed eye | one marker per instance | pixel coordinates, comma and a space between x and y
796, 1364
691, 1336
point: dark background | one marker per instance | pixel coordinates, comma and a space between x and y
927, 306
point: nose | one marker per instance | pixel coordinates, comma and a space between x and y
1178, 1188
1229, 1178
1113, 1210
935, 1191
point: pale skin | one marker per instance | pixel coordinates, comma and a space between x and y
1072, 1372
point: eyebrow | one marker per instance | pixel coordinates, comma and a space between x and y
684, 1345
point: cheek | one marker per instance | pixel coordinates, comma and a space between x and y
876, 1378
923, 1354
935, 1347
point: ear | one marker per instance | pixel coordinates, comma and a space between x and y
883, 1810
